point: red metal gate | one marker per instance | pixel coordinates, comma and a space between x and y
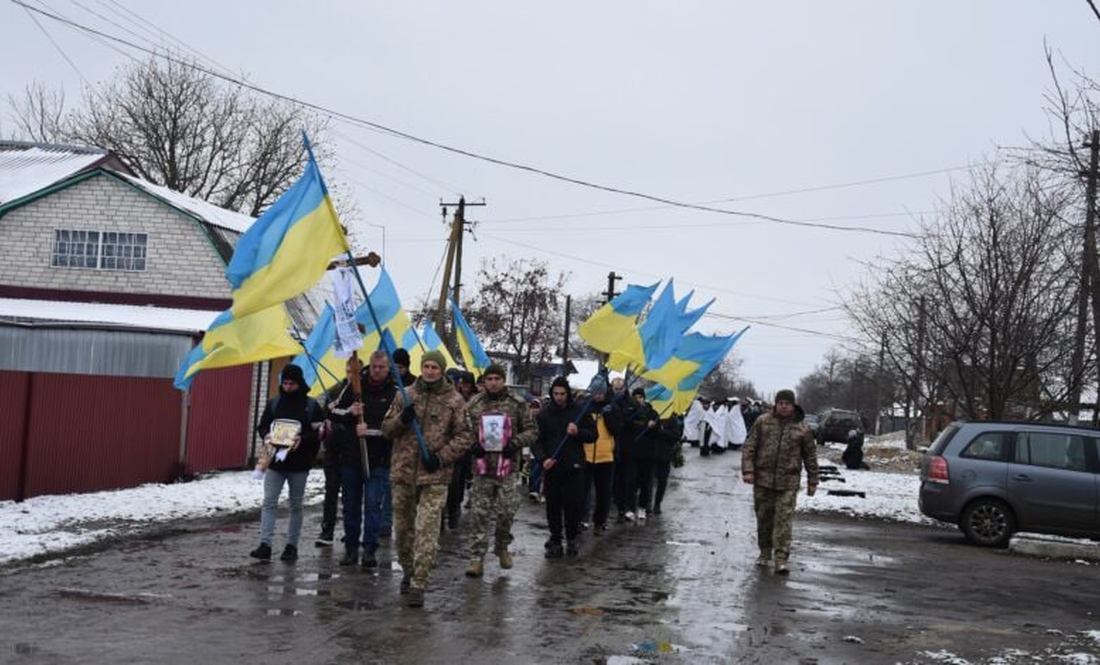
87, 433
218, 420
14, 387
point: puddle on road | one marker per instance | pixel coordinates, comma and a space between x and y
356, 605
282, 613
279, 590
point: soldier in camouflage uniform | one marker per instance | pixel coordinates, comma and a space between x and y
420, 484
501, 422
777, 448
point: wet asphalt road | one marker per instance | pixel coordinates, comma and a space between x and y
685, 579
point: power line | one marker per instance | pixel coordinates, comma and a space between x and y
602, 264
806, 331
361, 122
687, 225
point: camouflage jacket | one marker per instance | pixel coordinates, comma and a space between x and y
442, 417
776, 451
523, 429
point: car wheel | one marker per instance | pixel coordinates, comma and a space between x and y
988, 523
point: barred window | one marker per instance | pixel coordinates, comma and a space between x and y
102, 250
75, 249
123, 251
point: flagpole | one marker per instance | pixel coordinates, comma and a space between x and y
312, 361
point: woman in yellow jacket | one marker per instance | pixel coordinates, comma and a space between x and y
600, 459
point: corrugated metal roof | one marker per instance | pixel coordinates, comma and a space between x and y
136, 316
101, 352
208, 212
26, 168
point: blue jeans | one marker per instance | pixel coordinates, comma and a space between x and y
273, 487
363, 501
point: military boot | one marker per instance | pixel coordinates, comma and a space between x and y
505, 558
415, 597
781, 565
764, 559
476, 567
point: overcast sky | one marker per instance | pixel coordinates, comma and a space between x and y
692, 101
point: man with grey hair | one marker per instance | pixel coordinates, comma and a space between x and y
777, 448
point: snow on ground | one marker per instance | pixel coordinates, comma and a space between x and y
891, 496
48, 524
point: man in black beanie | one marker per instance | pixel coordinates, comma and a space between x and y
401, 360
777, 448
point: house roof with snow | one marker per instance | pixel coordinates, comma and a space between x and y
26, 167
53, 312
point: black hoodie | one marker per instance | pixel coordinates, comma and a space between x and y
301, 407
553, 421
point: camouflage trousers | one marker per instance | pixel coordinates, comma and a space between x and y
492, 498
416, 518
774, 513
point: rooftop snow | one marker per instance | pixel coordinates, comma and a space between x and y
26, 169
160, 318
212, 214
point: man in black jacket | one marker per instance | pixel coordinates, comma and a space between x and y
363, 495
563, 423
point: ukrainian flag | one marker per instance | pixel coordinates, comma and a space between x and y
430, 341
287, 250
317, 346
473, 355
608, 326
391, 316
653, 343
688, 387
693, 351
660, 398
240, 341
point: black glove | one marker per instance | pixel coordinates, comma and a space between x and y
479, 452
408, 414
433, 463
510, 450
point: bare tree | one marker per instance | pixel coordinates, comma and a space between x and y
981, 314
728, 380
38, 115
518, 309
182, 128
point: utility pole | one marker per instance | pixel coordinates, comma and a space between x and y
1091, 265
910, 440
611, 279
565, 340
453, 261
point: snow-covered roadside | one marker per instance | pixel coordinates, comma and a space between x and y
48, 524
890, 496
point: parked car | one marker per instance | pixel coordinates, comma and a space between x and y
813, 420
834, 425
995, 478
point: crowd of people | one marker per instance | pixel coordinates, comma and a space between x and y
403, 458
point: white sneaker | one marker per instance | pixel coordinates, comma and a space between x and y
629, 516
641, 514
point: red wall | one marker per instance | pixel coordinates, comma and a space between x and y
13, 388
218, 421
89, 433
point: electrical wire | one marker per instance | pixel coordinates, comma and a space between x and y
368, 124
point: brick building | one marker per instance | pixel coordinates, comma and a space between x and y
106, 282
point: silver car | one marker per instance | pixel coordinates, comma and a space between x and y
995, 478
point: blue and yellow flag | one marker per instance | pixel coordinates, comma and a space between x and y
473, 355
288, 248
653, 342
681, 398
693, 351
231, 341
317, 346
431, 341
608, 326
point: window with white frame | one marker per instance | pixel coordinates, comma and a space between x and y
102, 250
